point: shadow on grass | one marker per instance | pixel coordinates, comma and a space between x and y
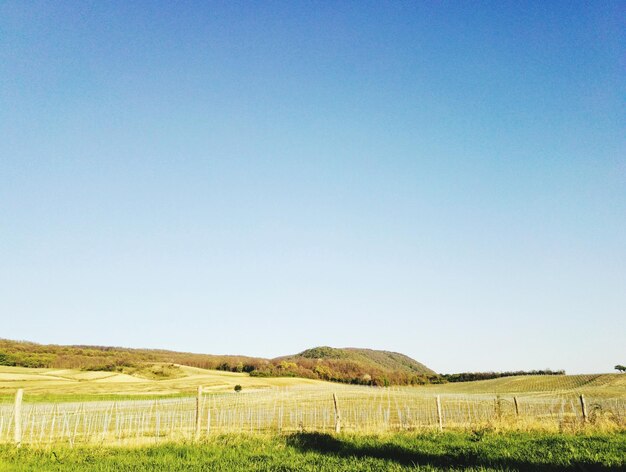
454, 458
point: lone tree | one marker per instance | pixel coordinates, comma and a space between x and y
621, 368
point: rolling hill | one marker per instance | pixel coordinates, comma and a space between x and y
360, 366
348, 365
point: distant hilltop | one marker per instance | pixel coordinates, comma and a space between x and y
359, 366
347, 365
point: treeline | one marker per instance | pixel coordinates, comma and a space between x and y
344, 371
472, 376
361, 371
27, 354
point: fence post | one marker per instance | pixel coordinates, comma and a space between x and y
198, 412
497, 406
337, 415
583, 408
516, 406
17, 416
439, 416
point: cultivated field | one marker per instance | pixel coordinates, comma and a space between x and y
71, 384
597, 385
72, 407
76, 385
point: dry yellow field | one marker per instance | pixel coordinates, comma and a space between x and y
159, 401
68, 384
82, 384
597, 385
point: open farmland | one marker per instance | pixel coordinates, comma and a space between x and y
73, 384
599, 385
72, 406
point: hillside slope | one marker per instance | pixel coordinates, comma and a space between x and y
359, 366
350, 365
596, 385
107, 358
44, 384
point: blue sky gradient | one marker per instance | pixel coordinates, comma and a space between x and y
443, 179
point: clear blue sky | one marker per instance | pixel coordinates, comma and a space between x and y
443, 179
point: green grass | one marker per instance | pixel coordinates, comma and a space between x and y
471, 451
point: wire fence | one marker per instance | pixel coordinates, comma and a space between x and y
358, 409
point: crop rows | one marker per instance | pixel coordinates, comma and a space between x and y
361, 409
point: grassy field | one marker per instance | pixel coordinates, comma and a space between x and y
469, 451
163, 380
146, 420
158, 403
76, 385
597, 385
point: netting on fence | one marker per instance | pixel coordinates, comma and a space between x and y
360, 409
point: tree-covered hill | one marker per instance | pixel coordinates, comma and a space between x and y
349, 365
362, 366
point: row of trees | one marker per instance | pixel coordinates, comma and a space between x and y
343, 370
472, 376
27, 354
